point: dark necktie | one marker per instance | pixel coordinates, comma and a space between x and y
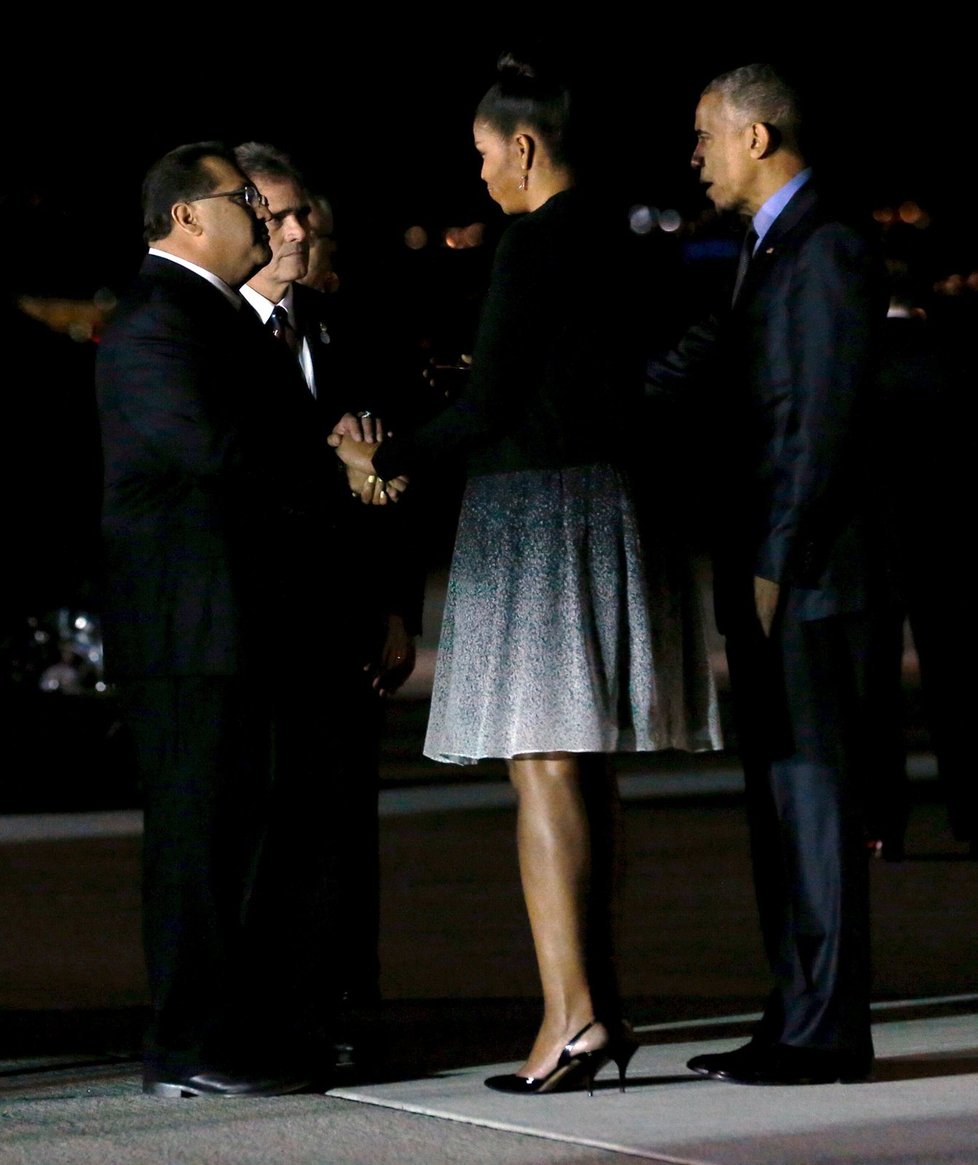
283, 330
746, 254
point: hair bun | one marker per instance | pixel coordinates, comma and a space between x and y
512, 64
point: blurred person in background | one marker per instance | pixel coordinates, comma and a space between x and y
320, 273
924, 449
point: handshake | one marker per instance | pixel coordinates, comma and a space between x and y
355, 438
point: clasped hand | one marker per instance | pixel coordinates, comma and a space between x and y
355, 439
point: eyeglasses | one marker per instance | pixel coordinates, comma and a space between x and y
250, 195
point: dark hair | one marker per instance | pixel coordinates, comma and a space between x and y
537, 96
178, 176
256, 158
761, 92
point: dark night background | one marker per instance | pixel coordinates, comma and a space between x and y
377, 109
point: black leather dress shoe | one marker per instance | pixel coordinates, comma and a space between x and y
209, 1082
782, 1064
718, 1065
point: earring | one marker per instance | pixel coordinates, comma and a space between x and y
523, 177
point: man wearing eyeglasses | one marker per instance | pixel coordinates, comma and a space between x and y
218, 520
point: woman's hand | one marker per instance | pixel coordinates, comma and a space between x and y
357, 456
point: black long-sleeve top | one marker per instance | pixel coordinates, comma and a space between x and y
556, 352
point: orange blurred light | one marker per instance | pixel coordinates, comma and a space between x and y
416, 238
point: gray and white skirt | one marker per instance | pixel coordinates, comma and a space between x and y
564, 630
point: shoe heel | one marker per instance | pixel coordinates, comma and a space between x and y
622, 1056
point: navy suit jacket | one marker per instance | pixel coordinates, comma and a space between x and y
791, 373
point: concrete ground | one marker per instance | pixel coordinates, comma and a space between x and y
461, 993
461, 1000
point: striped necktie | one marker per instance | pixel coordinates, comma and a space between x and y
283, 330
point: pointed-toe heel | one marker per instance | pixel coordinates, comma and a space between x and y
574, 1070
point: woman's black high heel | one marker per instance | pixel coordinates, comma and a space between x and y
573, 1069
622, 1047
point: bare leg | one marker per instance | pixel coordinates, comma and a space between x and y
555, 856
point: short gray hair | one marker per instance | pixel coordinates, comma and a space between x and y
256, 158
760, 93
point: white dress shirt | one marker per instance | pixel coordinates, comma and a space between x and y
265, 307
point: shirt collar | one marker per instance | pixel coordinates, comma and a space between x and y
764, 219
221, 286
265, 307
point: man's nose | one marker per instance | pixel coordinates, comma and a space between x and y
295, 229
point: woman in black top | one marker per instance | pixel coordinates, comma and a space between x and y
564, 639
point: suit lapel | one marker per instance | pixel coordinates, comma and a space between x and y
310, 313
801, 205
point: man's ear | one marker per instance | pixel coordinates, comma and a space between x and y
764, 139
184, 217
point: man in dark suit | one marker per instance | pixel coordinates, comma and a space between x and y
219, 524
386, 611
791, 365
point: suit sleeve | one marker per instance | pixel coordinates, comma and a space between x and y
672, 377
833, 316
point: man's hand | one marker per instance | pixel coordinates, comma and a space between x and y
766, 595
396, 659
362, 426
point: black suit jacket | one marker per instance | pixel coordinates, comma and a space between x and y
331, 346
219, 505
380, 547
791, 373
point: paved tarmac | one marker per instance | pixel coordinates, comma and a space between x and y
461, 999
461, 993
